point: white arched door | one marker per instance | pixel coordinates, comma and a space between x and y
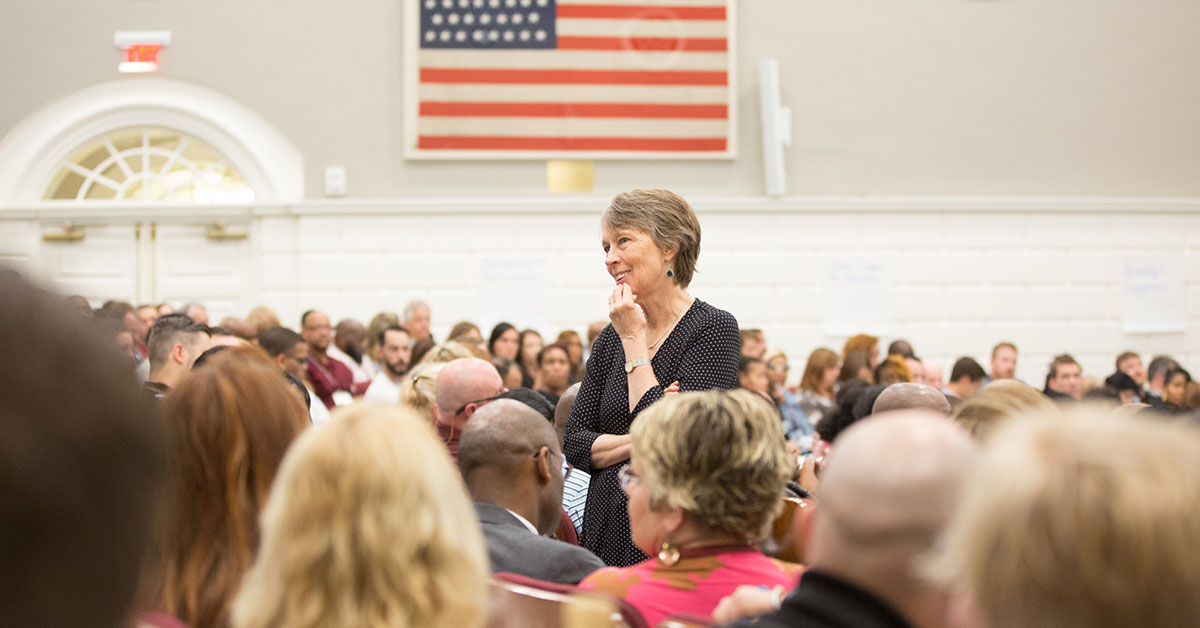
144, 191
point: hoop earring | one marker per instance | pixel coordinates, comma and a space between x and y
670, 273
668, 555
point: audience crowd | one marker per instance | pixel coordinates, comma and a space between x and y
254, 474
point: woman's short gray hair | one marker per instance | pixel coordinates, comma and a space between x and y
668, 219
718, 455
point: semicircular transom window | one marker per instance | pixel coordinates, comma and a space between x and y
149, 164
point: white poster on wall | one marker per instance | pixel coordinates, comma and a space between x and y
858, 297
1152, 294
515, 290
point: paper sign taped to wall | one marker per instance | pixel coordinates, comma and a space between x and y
858, 297
515, 290
1152, 291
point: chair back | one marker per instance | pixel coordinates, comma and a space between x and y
516, 601
785, 543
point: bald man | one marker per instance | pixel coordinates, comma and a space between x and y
575, 489
347, 348
911, 396
934, 375
512, 464
463, 387
886, 493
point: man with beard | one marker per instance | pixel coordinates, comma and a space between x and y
347, 348
394, 353
331, 380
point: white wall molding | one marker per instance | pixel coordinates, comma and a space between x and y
439, 206
33, 151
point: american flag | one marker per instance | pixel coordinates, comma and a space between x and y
618, 78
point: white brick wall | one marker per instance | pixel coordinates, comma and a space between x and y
965, 273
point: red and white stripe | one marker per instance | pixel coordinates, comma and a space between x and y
649, 76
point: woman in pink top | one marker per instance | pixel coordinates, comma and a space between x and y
705, 481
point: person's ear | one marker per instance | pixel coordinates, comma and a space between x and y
281, 361
178, 353
542, 465
674, 518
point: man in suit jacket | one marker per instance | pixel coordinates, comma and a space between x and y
513, 467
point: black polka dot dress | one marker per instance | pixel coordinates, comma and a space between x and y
701, 353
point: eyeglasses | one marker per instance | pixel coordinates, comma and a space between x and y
776, 367
480, 402
626, 477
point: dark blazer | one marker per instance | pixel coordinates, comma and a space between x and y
513, 548
825, 601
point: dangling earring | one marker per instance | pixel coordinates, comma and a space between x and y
668, 555
670, 273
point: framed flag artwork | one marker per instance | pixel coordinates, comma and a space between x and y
573, 79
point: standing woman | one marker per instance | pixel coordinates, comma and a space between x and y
658, 335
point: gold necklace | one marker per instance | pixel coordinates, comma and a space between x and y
678, 315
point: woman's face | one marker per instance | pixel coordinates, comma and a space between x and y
647, 527
556, 370
873, 357
1173, 391
633, 259
506, 345
513, 379
755, 378
777, 370
575, 349
829, 380
533, 346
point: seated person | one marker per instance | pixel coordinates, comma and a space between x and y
366, 525
575, 487
83, 464
511, 463
705, 477
230, 424
886, 495
1087, 520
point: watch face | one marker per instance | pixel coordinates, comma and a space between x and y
628, 366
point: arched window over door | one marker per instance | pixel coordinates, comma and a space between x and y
73, 130
149, 164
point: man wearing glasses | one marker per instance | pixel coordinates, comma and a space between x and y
513, 467
463, 386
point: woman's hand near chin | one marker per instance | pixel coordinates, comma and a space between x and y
627, 317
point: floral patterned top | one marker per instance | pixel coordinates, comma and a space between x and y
696, 583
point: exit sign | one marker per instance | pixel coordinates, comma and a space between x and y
141, 50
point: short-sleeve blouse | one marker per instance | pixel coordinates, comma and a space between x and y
701, 353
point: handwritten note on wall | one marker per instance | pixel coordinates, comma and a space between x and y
514, 289
858, 297
1152, 292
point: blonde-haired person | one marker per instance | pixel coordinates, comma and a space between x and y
419, 391
1088, 521
893, 370
450, 351
659, 338
705, 481
367, 525
996, 404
